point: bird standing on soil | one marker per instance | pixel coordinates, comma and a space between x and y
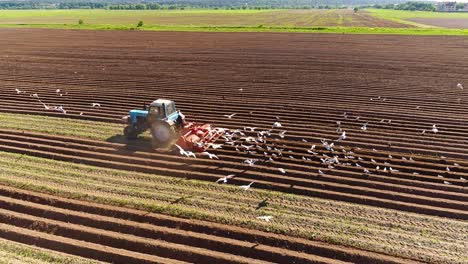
282, 170
277, 124
460, 86
364, 127
96, 105
343, 136
434, 129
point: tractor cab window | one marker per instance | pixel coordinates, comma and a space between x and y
170, 109
156, 111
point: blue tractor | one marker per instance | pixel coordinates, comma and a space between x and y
160, 117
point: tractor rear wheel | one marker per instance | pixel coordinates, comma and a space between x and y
163, 134
130, 132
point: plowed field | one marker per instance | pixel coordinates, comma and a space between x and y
385, 92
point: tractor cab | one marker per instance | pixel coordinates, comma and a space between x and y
162, 109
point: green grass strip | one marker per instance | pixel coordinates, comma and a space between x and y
335, 30
12, 252
60, 126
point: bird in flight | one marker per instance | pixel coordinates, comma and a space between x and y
226, 178
210, 155
230, 116
246, 187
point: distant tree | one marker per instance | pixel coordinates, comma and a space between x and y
356, 9
80, 22
140, 24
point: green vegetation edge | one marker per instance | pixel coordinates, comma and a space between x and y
335, 30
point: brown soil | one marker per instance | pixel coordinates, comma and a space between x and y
306, 80
443, 22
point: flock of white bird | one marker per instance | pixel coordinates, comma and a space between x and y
54, 108
252, 140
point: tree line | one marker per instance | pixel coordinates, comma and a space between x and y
185, 4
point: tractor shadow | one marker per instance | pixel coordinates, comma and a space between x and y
131, 145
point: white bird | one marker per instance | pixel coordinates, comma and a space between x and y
210, 155
282, 170
320, 172
225, 179
373, 160
230, 116
45, 106
343, 136
250, 128
265, 218
18, 91
364, 127
423, 132
246, 187
460, 86
35, 95
96, 104
366, 171
434, 129
276, 125
215, 146
60, 109
440, 176
190, 154
181, 150
281, 134
185, 153
251, 162
448, 169
81, 113
446, 182
57, 91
